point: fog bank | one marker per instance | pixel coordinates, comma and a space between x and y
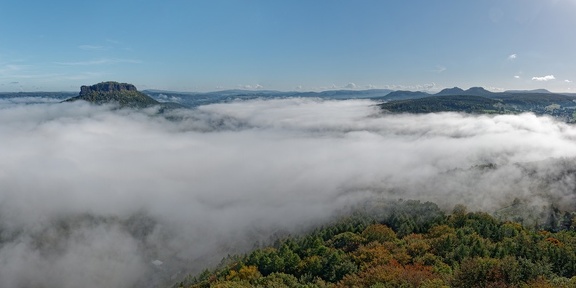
95, 197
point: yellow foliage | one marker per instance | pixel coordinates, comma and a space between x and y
372, 254
439, 231
539, 282
379, 232
399, 253
416, 245
245, 273
231, 284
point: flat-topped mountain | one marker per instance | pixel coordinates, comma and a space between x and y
109, 86
124, 94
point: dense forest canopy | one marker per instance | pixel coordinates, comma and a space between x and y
410, 244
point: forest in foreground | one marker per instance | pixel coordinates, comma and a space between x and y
409, 243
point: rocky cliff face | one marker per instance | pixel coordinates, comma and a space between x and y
123, 94
109, 86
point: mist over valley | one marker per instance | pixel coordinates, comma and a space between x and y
97, 196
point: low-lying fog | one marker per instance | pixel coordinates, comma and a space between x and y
96, 197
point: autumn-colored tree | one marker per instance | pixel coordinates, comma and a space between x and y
379, 232
248, 273
487, 272
417, 247
347, 241
372, 254
392, 274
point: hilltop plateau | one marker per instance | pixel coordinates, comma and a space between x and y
123, 94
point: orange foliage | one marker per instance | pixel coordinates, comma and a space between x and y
544, 233
392, 274
554, 241
372, 254
398, 253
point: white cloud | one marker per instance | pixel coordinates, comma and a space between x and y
439, 69
103, 61
331, 87
567, 81
249, 86
113, 41
544, 78
92, 47
417, 87
11, 68
166, 98
84, 76
428, 86
517, 76
512, 57
350, 86
495, 89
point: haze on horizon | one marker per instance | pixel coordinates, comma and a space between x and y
296, 45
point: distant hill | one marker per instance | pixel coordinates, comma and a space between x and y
406, 95
403, 95
123, 94
528, 91
478, 91
472, 91
527, 101
455, 103
55, 95
346, 94
479, 100
450, 91
538, 101
193, 99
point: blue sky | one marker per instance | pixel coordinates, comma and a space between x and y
288, 45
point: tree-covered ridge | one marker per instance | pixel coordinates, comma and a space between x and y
415, 245
458, 103
557, 105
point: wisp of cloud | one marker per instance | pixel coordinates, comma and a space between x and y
96, 197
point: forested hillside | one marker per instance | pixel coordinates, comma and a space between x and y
556, 105
410, 244
458, 103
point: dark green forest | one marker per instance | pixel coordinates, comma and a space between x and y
409, 243
458, 103
555, 105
